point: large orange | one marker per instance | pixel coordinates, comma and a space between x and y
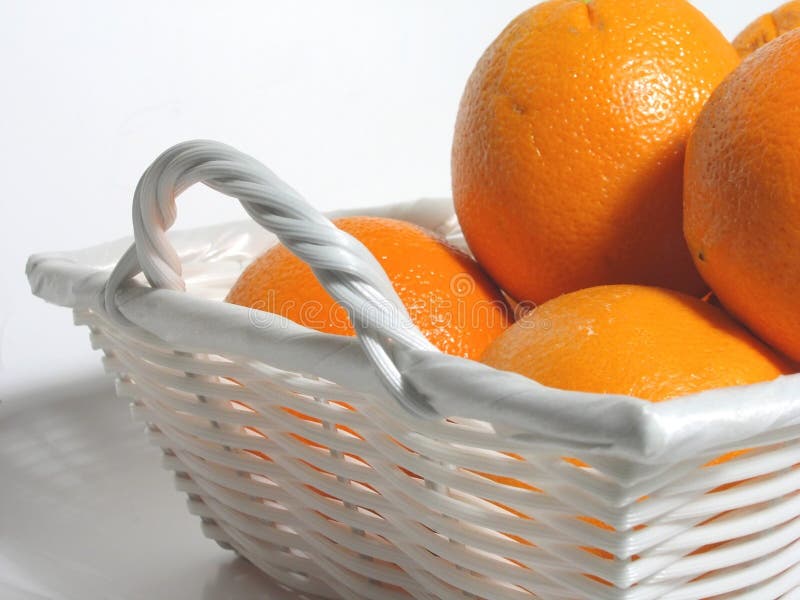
767, 27
646, 342
569, 144
447, 294
742, 194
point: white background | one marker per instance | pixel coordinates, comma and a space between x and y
352, 102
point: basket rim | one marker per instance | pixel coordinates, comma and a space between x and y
650, 433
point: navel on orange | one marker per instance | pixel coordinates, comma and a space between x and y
767, 27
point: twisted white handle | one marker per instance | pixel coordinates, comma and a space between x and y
344, 267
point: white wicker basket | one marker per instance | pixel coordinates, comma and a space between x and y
373, 493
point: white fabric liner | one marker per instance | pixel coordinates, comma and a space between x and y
212, 257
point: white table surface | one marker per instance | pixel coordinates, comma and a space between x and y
352, 102
87, 513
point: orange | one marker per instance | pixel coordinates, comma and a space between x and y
447, 294
742, 193
651, 343
569, 144
767, 27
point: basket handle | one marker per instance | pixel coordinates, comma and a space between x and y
342, 264
424, 381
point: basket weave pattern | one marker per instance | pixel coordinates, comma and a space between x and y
334, 494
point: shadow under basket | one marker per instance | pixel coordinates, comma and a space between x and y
377, 468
